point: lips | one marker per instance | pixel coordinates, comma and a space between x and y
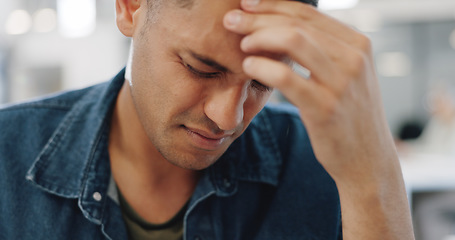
205, 140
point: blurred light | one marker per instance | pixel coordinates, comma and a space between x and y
44, 20
452, 39
394, 64
76, 18
449, 237
367, 20
337, 4
18, 22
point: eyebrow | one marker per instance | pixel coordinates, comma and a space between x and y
209, 62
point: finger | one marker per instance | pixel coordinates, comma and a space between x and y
311, 16
272, 73
244, 23
303, 48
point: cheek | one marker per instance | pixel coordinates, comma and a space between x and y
180, 87
254, 105
167, 87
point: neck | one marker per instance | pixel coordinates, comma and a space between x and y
142, 174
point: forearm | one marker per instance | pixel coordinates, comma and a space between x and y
376, 207
340, 105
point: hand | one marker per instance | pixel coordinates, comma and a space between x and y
340, 105
340, 102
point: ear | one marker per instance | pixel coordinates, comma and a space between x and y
125, 10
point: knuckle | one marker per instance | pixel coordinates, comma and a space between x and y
247, 21
364, 43
283, 77
295, 23
293, 38
356, 64
306, 11
329, 108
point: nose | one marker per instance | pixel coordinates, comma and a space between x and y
225, 106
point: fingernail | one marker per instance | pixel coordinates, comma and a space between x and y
234, 18
251, 3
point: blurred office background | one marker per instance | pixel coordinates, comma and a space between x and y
53, 45
50, 45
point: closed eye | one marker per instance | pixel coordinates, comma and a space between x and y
259, 86
202, 74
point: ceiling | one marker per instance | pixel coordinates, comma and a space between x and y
371, 13
400, 10
392, 9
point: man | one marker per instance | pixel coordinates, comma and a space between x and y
175, 138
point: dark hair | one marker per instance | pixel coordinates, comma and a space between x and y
189, 2
312, 2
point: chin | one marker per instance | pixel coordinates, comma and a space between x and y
195, 162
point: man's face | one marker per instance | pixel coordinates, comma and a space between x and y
188, 85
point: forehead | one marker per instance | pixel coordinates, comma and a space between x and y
199, 27
203, 5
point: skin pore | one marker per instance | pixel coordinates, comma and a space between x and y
186, 99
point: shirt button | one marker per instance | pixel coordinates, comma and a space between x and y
97, 196
227, 183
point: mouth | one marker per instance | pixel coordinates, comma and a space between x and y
205, 140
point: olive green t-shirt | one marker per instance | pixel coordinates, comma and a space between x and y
140, 229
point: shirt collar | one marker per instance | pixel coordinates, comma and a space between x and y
63, 164
253, 157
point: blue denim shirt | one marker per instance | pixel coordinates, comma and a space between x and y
55, 174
